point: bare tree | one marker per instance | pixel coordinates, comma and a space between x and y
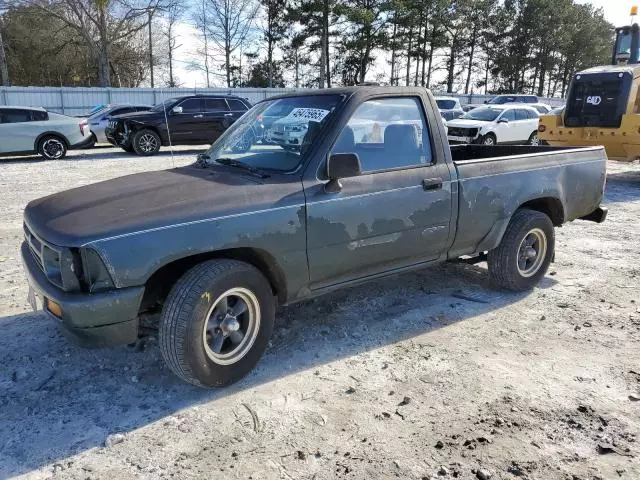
4, 70
173, 14
229, 25
102, 23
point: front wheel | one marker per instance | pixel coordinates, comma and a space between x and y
52, 147
525, 252
216, 322
533, 139
146, 142
489, 139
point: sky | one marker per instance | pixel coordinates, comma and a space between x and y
615, 11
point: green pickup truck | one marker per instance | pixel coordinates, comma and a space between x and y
372, 189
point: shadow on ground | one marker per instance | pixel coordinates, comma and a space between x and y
57, 399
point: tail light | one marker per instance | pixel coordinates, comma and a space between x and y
541, 127
84, 126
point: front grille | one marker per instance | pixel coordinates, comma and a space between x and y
598, 99
47, 256
462, 132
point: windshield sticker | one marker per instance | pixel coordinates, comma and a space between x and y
315, 114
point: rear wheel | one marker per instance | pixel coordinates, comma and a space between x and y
216, 322
52, 147
533, 139
146, 142
525, 252
489, 139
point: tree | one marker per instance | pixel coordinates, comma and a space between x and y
100, 23
172, 15
4, 70
262, 75
229, 25
274, 30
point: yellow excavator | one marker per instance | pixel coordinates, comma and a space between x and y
603, 103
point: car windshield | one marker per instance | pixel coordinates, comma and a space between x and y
446, 104
167, 103
482, 114
282, 143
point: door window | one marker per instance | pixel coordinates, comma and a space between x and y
11, 115
509, 115
236, 105
39, 116
212, 105
522, 114
387, 133
191, 105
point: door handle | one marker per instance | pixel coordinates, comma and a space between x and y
198, 116
432, 183
228, 114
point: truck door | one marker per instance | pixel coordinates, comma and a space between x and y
396, 213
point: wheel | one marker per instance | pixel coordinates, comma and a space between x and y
216, 322
525, 252
146, 142
533, 139
244, 143
52, 147
489, 139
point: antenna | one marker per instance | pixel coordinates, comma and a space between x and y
166, 123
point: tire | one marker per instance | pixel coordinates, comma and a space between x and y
534, 140
517, 264
489, 139
190, 324
52, 147
146, 142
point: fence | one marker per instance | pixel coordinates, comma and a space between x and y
78, 101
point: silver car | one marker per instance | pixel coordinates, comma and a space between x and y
100, 119
27, 130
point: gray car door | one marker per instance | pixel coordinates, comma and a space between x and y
396, 213
15, 136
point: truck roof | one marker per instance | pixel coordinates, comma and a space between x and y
353, 90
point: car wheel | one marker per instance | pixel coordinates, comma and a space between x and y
534, 140
489, 139
216, 322
244, 143
525, 252
52, 147
146, 142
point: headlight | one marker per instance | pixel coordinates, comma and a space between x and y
94, 272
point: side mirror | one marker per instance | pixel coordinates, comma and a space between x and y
503, 120
176, 109
341, 165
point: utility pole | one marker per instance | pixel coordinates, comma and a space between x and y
4, 70
150, 48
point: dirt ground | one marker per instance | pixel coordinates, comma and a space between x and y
398, 378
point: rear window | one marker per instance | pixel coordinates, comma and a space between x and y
39, 116
236, 105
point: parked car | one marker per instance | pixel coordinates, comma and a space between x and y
188, 120
491, 125
449, 107
98, 121
542, 108
504, 99
29, 130
215, 246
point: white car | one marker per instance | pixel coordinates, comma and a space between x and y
496, 124
99, 120
28, 130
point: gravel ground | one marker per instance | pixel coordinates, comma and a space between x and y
397, 378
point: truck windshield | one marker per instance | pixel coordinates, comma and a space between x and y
482, 114
275, 134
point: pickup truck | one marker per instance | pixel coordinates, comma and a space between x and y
216, 246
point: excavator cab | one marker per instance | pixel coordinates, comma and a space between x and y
603, 103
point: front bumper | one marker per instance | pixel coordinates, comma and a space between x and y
90, 320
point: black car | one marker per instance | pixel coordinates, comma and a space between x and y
188, 120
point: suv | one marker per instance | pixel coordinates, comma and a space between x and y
28, 130
188, 120
505, 124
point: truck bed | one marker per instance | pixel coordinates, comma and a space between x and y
493, 181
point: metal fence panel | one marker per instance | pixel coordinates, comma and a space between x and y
80, 100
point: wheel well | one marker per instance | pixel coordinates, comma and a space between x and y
50, 134
552, 207
160, 283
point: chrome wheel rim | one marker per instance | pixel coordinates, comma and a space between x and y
53, 148
532, 252
148, 143
488, 141
535, 140
231, 326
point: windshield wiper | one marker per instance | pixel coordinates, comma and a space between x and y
232, 162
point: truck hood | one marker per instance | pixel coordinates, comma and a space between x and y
149, 200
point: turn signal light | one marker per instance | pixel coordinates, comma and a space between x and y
54, 308
541, 128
